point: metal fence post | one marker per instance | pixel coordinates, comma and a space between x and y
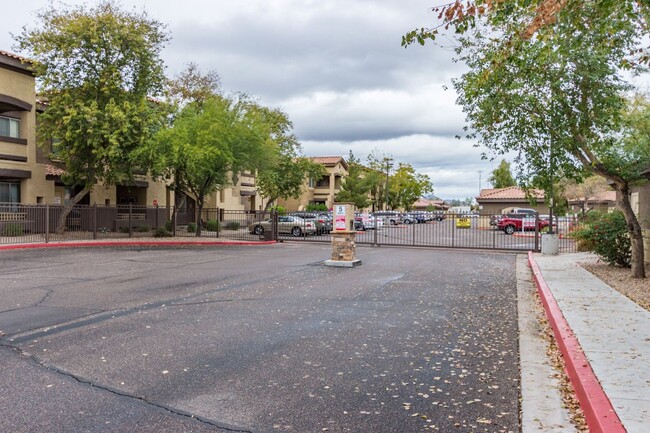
174, 219
156, 216
414, 223
130, 220
374, 241
453, 229
94, 220
218, 222
47, 223
536, 231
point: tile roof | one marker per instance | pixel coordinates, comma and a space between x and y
15, 62
509, 193
329, 160
15, 56
600, 197
52, 170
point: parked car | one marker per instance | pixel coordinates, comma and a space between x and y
365, 221
390, 217
438, 216
320, 222
516, 212
510, 225
409, 218
287, 224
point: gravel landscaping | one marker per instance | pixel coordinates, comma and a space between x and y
637, 289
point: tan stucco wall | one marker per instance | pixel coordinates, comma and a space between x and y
22, 87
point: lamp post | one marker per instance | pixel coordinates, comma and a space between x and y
389, 163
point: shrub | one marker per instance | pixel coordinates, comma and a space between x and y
123, 230
279, 209
232, 225
316, 207
142, 229
168, 225
606, 235
12, 230
212, 225
191, 227
162, 233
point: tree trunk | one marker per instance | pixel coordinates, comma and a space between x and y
67, 208
633, 228
269, 204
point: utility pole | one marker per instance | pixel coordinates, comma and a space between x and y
389, 164
480, 172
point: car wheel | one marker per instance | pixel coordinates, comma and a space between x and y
296, 232
509, 230
258, 230
438, 219
392, 222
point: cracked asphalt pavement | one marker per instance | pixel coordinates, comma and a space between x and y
258, 339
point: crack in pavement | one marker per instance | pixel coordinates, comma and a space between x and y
119, 393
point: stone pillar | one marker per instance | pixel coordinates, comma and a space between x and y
343, 234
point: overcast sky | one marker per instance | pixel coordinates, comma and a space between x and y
336, 67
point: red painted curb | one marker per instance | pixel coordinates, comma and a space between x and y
126, 244
598, 410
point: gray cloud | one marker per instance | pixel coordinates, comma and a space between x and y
336, 67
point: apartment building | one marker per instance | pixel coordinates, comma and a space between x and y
29, 175
323, 190
22, 179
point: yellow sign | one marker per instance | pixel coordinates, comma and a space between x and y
463, 223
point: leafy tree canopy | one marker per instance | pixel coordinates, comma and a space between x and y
96, 69
502, 176
355, 187
545, 82
407, 186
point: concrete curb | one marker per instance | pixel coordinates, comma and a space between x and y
127, 244
598, 410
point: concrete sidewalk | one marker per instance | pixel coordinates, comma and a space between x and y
614, 334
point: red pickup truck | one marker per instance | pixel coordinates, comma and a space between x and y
511, 225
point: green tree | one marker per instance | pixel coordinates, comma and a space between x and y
551, 90
501, 176
406, 186
284, 176
96, 67
209, 142
354, 188
377, 166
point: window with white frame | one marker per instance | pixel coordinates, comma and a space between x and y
9, 127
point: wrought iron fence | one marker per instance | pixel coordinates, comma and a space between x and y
23, 223
447, 230
20, 223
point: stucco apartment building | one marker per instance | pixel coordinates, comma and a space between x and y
29, 176
323, 190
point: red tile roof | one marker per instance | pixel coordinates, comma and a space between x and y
15, 56
52, 170
329, 161
509, 193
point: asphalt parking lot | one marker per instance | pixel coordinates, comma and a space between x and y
258, 339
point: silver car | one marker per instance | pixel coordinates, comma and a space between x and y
287, 224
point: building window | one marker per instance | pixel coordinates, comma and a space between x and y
9, 192
9, 127
312, 182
